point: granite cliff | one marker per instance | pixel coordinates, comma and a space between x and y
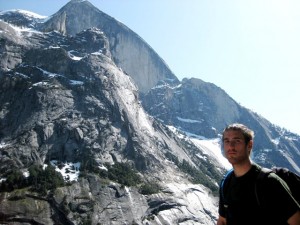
96, 129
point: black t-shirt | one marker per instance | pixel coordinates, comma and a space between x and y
240, 205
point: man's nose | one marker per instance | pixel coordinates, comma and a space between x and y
232, 143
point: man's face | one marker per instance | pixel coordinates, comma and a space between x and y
235, 149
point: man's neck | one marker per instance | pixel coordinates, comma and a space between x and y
241, 169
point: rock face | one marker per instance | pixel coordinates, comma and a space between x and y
129, 51
204, 109
81, 88
89, 201
191, 105
65, 100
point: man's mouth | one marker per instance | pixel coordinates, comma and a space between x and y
231, 152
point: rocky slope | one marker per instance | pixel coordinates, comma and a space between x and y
203, 109
79, 88
64, 99
129, 51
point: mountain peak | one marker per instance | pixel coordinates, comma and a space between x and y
125, 45
75, 16
78, 0
81, 2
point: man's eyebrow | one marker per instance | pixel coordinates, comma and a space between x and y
235, 138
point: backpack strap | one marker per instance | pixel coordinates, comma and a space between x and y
260, 177
222, 186
291, 181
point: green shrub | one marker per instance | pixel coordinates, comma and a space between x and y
172, 157
122, 173
198, 176
149, 188
42, 180
14, 180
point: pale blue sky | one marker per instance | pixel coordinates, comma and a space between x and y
249, 48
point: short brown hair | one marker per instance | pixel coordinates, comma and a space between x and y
247, 133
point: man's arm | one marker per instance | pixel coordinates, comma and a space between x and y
222, 221
293, 220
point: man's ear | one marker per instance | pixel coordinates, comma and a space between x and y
250, 145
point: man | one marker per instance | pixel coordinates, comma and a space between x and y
238, 205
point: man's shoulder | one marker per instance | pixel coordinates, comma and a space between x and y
257, 170
266, 174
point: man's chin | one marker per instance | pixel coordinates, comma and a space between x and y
232, 160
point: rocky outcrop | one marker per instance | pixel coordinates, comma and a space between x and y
191, 105
129, 51
93, 201
68, 102
203, 109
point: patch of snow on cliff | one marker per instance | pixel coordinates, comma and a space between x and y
26, 173
76, 82
212, 148
40, 84
69, 171
276, 141
97, 53
3, 145
74, 57
21, 30
49, 74
102, 167
188, 120
30, 14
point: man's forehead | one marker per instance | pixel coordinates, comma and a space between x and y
233, 134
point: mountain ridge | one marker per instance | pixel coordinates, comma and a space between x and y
82, 108
123, 42
68, 98
212, 110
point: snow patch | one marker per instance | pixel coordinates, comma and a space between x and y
69, 171
41, 84
166, 85
24, 12
212, 148
26, 173
54, 47
2, 180
49, 74
74, 57
188, 120
96, 53
76, 82
3, 145
20, 30
101, 167
276, 141
30, 14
